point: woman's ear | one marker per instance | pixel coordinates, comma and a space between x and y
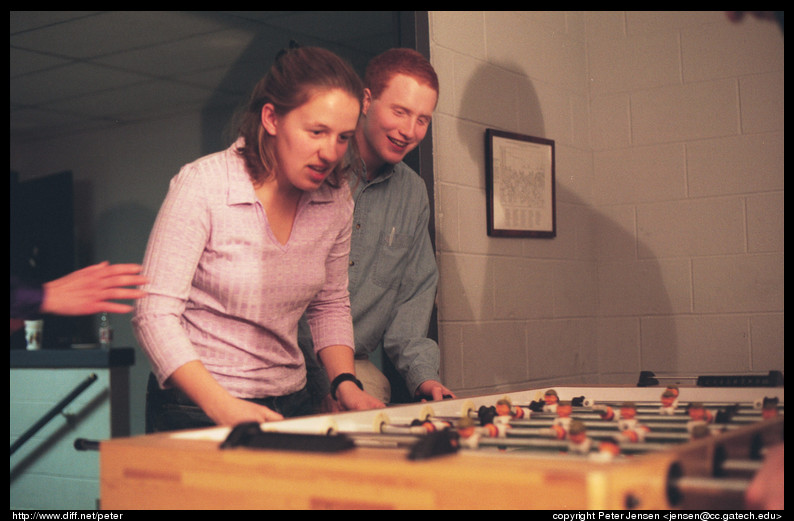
269, 118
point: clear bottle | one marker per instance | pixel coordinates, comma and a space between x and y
105, 331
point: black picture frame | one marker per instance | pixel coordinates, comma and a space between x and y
520, 185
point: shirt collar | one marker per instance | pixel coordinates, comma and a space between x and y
360, 173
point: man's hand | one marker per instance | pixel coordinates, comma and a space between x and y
433, 390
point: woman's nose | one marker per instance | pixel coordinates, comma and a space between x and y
330, 150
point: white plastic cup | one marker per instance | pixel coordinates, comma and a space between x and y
34, 330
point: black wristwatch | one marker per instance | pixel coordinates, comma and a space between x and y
344, 377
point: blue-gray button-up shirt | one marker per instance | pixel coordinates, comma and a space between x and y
393, 274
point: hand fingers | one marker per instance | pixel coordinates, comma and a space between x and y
122, 269
106, 270
121, 287
272, 416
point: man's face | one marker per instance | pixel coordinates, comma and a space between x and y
396, 122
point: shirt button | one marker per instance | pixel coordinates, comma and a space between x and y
351, 263
358, 226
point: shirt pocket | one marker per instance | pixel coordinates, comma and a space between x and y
391, 259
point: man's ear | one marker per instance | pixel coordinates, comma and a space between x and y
365, 102
269, 118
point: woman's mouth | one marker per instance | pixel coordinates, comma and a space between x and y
318, 173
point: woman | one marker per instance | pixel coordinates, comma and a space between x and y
246, 240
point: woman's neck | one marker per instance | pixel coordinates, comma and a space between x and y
281, 204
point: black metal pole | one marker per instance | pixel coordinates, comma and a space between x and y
53, 412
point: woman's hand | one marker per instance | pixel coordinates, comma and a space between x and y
216, 402
351, 398
234, 411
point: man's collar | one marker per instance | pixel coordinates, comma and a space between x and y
384, 172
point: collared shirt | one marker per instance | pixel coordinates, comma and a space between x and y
393, 272
225, 291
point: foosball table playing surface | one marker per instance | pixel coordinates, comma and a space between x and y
595, 448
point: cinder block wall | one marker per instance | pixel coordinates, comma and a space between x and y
669, 146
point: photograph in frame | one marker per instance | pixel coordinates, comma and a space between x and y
520, 182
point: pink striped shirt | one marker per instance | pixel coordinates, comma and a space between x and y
224, 291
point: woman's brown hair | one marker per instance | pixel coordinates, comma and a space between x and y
297, 74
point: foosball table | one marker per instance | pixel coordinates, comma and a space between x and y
596, 448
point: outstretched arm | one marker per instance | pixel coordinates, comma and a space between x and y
91, 290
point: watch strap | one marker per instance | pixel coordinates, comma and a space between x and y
344, 377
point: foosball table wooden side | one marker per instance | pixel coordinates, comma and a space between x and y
161, 473
191, 472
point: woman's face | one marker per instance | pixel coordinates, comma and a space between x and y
311, 139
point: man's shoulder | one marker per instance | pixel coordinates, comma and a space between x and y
402, 168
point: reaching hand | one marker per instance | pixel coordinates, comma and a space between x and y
90, 290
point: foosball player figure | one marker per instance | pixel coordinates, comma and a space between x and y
635, 435
769, 408
607, 451
430, 426
698, 415
628, 425
669, 401
628, 416
501, 422
551, 400
493, 425
547, 404
562, 422
505, 408
606, 412
578, 442
468, 433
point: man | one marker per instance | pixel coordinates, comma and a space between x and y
392, 271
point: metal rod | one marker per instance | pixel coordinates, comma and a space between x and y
694, 485
53, 412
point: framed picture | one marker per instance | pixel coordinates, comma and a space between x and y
519, 185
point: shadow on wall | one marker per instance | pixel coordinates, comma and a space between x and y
520, 312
